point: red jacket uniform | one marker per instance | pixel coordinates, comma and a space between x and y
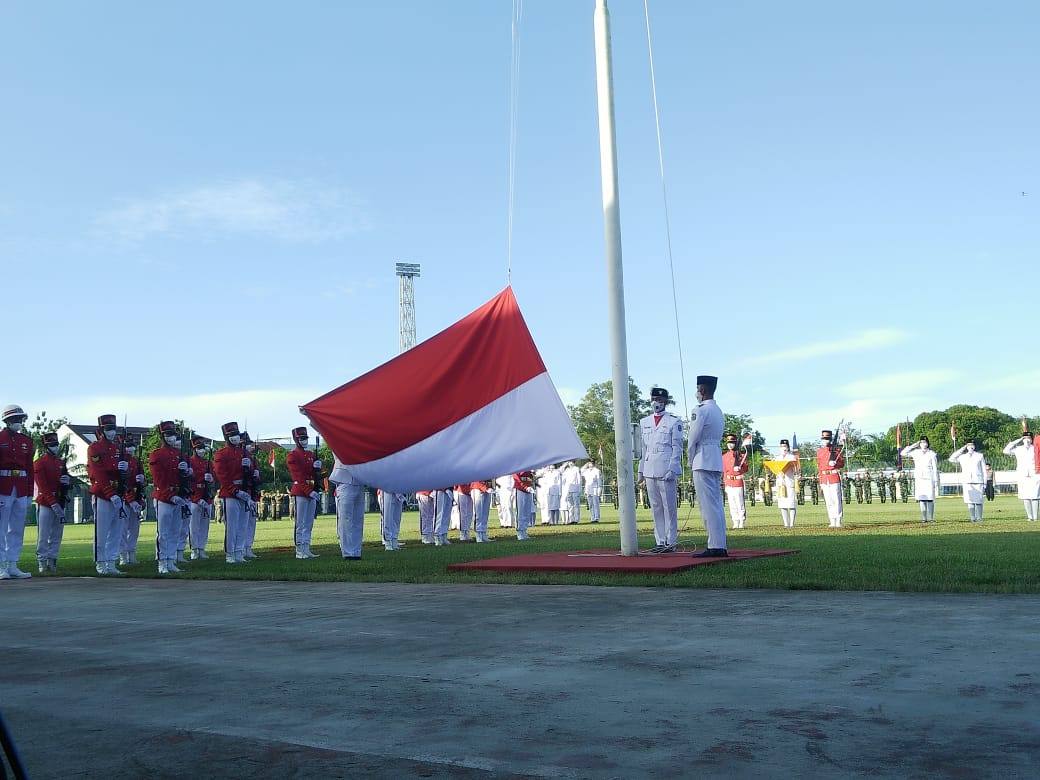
734, 467
166, 477
103, 468
524, 481
227, 467
481, 486
134, 489
256, 475
199, 469
830, 475
48, 476
301, 469
16, 463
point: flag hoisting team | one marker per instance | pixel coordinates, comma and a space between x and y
187, 486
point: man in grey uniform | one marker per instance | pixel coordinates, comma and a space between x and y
659, 466
706, 464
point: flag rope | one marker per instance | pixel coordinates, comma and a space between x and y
514, 113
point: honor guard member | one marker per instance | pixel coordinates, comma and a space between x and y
734, 467
133, 503
505, 487
167, 468
201, 498
593, 479
427, 510
391, 507
228, 464
253, 488
973, 474
659, 466
302, 465
350, 510
52, 489
786, 484
464, 504
16, 489
926, 476
570, 489
706, 466
107, 475
480, 497
1025, 472
523, 485
442, 503
830, 460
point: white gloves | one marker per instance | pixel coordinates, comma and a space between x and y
242, 495
117, 502
246, 463
256, 473
831, 463
65, 480
208, 477
314, 494
669, 476
122, 465
182, 466
317, 464
140, 479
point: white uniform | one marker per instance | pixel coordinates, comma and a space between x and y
350, 510
706, 464
504, 488
662, 437
481, 509
926, 478
593, 489
390, 515
570, 489
1025, 475
973, 475
443, 502
464, 509
784, 491
554, 491
542, 493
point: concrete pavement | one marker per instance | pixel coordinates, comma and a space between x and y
269, 679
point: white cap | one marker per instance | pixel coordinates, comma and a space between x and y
12, 410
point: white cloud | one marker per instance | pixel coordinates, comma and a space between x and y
569, 395
294, 211
870, 415
906, 383
1025, 380
864, 340
269, 413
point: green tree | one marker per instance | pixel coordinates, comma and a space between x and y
593, 418
40, 424
990, 427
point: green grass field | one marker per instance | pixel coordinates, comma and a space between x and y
882, 547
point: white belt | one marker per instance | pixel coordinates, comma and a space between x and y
13, 473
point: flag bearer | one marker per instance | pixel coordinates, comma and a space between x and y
228, 464
830, 460
786, 484
201, 498
1026, 476
302, 466
973, 474
106, 471
16, 489
593, 478
706, 466
662, 438
350, 511
167, 468
52, 485
481, 498
133, 503
926, 476
734, 467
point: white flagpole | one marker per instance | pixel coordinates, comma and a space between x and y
615, 281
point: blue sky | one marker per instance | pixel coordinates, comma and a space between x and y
202, 203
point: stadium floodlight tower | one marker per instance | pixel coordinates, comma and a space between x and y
406, 272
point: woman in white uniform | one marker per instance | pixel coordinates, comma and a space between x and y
973, 474
1025, 473
926, 476
787, 485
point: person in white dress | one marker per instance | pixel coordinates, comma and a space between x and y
786, 485
542, 492
593, 478
926, 476
555, 493
570, 493
1025, 473
506, 492
973, 475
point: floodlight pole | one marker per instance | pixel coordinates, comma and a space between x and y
615, 281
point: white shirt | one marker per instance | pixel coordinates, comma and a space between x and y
973, 466
1023, 457
705, 435
593, 480
571, 480
662, 446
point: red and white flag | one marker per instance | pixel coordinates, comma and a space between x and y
471, 403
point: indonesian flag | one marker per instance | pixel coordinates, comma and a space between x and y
471, 403
953, 434
899, 446
271, 459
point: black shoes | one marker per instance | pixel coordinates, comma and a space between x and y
712, 553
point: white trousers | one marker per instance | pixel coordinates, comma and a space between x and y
573, 507
505, 507
708, 485
249, 526
130, 531
107, 530
927, 511
49, 532
737, 507
184, 533
167, 531
350, 518
524, 505
481, 509
198, 525
305, 509
465, 506
13, 511
594, 506
788, 516
234, 513
1031, 505
664, 509
427, 509
543, 505
390, 516
833, 498
442, 512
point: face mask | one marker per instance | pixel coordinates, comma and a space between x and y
200, 451
730, 445
110, 435
53, 450
658, 406
784, 450
171, 440
304, 443
971, 448
15, 426
924, 445
234, 439
699, 396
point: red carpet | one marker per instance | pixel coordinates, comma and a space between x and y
607, 561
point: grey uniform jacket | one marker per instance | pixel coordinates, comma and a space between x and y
662, 446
